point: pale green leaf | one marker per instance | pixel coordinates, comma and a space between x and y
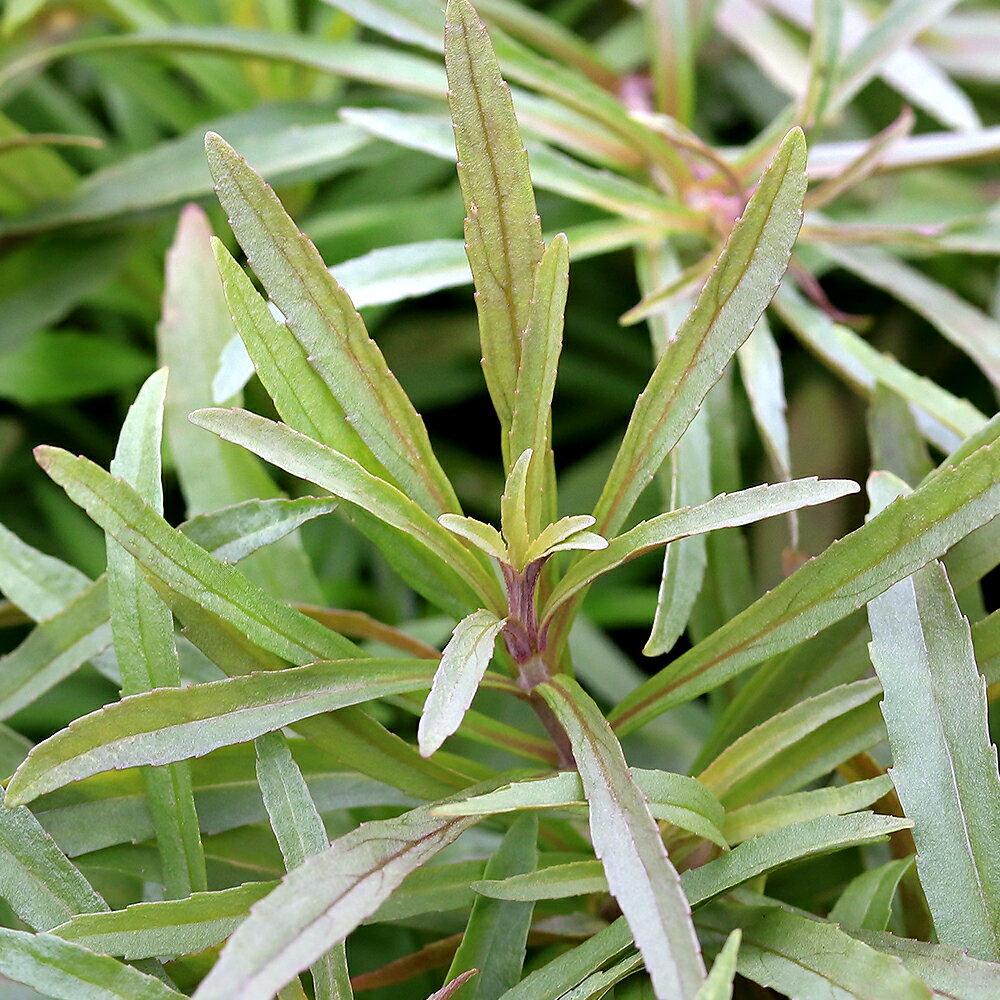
302, 397
300, 834
513, 513
675, 798
687, 478
798, 745
760, 368
912, 532
169, 927
55, 648
970, 329
945, 420
627, 841
719, 985
950, 972
327, 326
456, 680
503, 234
455, 566
187, 568
322, 901
944, 765
67, 971
804, 957
531, 420
143, 631
39, 584
496, 935
193, 329
38, 881
759, 818
750, 860
866, 903
166, 725
234, 532
483, 536
743, 282
723, 511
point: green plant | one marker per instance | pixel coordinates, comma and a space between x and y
579, 825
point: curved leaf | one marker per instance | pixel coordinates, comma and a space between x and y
627, 841
456, 680
168, 724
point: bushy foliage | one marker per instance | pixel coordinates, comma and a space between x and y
367, 741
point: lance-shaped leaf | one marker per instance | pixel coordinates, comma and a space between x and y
950, 972
483, 536
799, 955
627, 841
37, 880
531, 422
300, 834
167, 927
496, 935
866, 903
56, 647
719, 984
741, 285
165, 725
459, 570
944, 765
39, 584
759, 818
750, 860
143, 631
798, 745
503, 235
723, 511
463, 663
322, 901
686, 482
513, 512
234, 532
676, 798
67, 971
323, 318
907, 535
302, 397
187, 568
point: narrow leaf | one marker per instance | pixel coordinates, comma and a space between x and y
496, 935
723, 511
801, 956
455, 565
463, 663
627, 841
742, 283
866, 903
531, 421
300, 834
322, 901
324, 321
907, 535
143, 631
38, 881
944, 765
676, 798
165, 725
169, 927
67, 971
502, 232
719, 985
